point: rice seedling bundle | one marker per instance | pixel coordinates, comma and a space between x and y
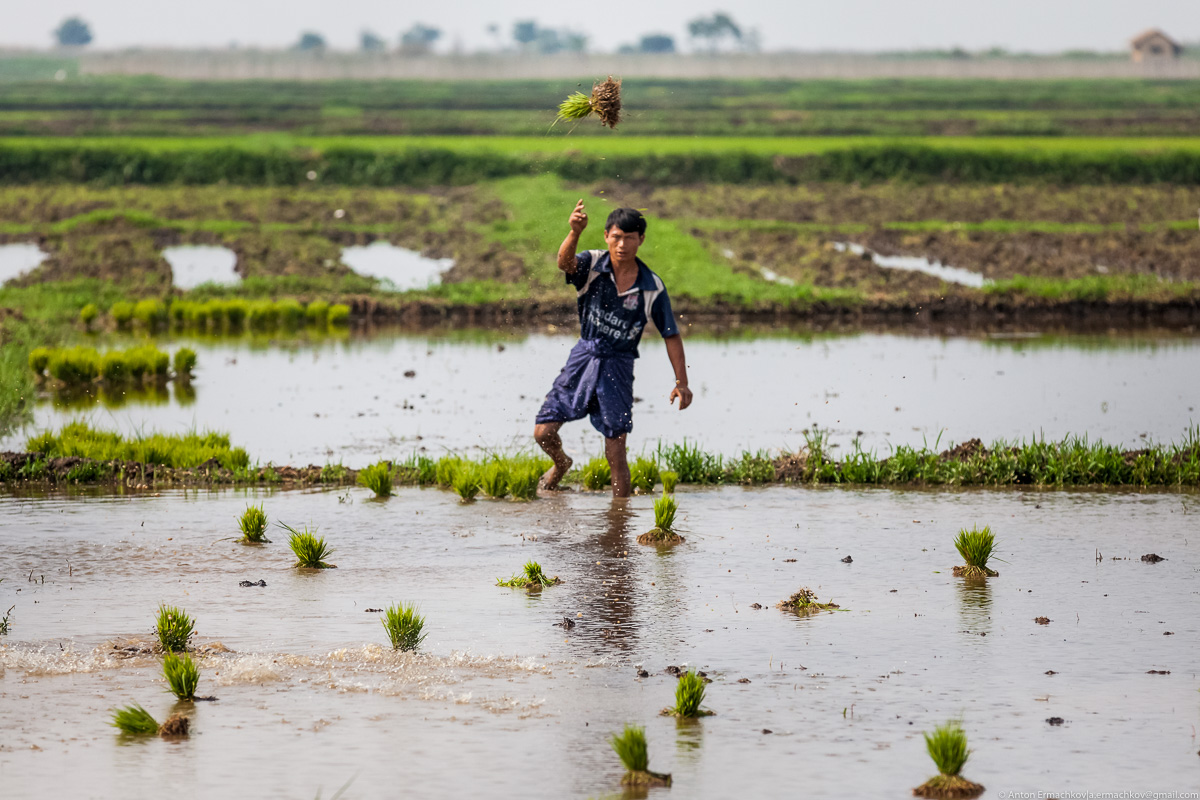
185, 363
134, 720
174, 627
121, 313
253, 524
339, 315
317, 313
596, 474
665, 509
290, 312
39, 358
182, 675
311, 550
630, 747
975, 546
604, 102
151, 313
947, 746
689, 694
88, 314
523, 481
377, 478
669, 481
531, 578
493, 478
404, 626
466, 482
74, 365
643, 474
445, 469
419, 469
805, 601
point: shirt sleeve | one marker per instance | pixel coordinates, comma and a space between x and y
583, 265
663, 318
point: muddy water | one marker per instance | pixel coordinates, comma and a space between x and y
195, 265
917, 264
310, 699
400, 268
352, 401
17, 259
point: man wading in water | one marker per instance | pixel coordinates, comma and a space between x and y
617, 295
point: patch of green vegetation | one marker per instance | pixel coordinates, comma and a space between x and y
804, 601
751, 468
174, 627
493, 478
975, 546
669, 481
467, 481
134, 720
172, 450
377, 478
76, 367
310, 550
405, 626
689, 694
643, 474
596, 474
182, 674
531, 578
253, 525
690, 463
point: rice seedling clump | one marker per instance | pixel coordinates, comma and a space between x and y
689, 694
377, 478
975, 546
467, 482
805, 601
253, 524
174, 627
670, 480
134, 720
664, 523
532, 578
523, 481
404, 626
176, 725
643, 474
185, 363
630, 747
182, 675
947, 746
311, 550
493, 478
605, 103
596, 474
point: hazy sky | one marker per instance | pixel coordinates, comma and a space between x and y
1037, 25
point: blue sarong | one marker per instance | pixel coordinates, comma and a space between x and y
596, 382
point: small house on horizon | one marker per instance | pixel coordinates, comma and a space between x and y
1153, 45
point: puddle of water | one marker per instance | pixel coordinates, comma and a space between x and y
767, 273
17, 259
195, 265
351, 400
400, 268
917, 264
310, 683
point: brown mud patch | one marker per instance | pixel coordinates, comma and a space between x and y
658, 536
948, 787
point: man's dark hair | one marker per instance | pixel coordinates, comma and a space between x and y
629, 220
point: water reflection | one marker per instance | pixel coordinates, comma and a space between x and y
609, 590
974, 604
152, 394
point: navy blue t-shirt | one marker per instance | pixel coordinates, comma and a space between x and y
618, 319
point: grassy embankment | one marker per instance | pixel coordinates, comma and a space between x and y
1074, 461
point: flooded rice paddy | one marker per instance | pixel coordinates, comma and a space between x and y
401, 269
17, 259
927, 266
195, 265
504, 700
359, 399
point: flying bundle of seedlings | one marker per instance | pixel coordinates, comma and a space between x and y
253, 524
532, 579
182, 675
174, 627
596, 474
605, 103
136, 721
689, 694
310, 549
630, 747
493, 478
804, 601
664, 523
669, 481
404, 626
467, 482
377, 478
947, 746
643, 474
975, 546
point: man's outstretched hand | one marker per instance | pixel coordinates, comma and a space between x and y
578, 218
684, 394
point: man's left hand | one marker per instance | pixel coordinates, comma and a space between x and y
683, 393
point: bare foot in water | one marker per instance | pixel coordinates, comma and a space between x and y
555, 474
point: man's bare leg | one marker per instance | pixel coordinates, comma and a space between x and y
614, 451
546, 435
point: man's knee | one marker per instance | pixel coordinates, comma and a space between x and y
544, 432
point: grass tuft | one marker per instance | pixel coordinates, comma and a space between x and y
174, 628
596, 474
533, 578
134, 720
404, 626
975, 546
377, 478
689, 694
310, 549
253, 524
182, 675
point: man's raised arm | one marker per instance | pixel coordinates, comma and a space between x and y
566, 252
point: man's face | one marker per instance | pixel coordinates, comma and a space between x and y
623, 246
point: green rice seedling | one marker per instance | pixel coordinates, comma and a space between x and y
630, 747
134, 720
751, 468
291, 313
310, 549
74, 366
604, 102
236, 311
253, 524
419, 469
523, 481
114, 367
689, 694
216, 314
174, 627
804, 601
4, 624
493, 478
975, 546
532, 578
198, 316
151, 313
121, 313
185, 363
39, 359
596, 474
182, 675
317, 313
947, 746
339, 315
692, 464
404, 626
467, 482
445, 469
669, 480
377, 478
262, 315
334, 473
88, 314
643, 474
665, 509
